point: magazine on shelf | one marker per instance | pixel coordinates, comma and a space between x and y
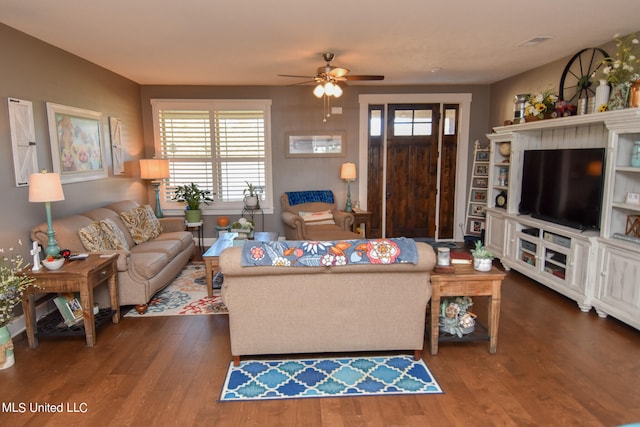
70, 308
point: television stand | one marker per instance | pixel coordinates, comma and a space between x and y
557, 256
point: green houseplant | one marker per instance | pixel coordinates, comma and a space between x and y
252, 195
482, 257
193, 196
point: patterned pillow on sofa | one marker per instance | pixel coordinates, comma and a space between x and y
103, 235
141, 223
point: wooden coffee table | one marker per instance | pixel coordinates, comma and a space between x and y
466, 282
212, 255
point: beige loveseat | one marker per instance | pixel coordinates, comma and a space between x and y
144, 268
278, 310
298, 215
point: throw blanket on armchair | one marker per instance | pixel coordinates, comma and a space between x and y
334, 253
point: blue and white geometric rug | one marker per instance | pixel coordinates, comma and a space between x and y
335, 377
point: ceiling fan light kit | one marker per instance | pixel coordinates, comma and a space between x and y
328, 79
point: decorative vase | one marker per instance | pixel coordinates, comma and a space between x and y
602, 96
635, 155
482, 264
222, 221
7, 358
634, 95
192, 215
619, 96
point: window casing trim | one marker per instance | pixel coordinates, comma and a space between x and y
217, 208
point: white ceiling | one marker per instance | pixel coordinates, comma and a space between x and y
250, 42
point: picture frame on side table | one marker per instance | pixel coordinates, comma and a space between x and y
77, 146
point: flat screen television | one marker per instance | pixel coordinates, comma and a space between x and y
564, 186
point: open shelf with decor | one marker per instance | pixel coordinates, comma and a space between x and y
500, 170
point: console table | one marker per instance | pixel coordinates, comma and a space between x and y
466, 282
75, 276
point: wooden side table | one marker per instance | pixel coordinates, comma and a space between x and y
359, 218
74, 276
466, 282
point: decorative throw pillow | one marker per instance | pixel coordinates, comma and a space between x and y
141, 223
92, 237
102, 235
317, 218
113, 236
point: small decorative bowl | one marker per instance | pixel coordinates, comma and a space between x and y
53, 265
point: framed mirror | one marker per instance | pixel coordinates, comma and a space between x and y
315, 144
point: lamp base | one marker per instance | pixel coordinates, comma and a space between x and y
347, 206
158, 210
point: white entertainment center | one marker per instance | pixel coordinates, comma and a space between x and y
595, 268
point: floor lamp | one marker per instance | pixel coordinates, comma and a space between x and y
46, 187
155, 170
348, 173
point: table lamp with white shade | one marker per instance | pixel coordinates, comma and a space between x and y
155, 170
348, 173
46, 187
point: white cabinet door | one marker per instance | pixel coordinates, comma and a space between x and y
618, 285
495, 235
580, 272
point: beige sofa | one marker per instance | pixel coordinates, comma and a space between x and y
277, 310
145, 268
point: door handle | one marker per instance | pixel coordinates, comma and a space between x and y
388, 195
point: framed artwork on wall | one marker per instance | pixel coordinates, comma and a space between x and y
115, 127
315, 144
77, 146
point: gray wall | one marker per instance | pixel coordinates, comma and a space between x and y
37, 72
294, 108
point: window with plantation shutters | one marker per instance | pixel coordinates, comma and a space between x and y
219, 145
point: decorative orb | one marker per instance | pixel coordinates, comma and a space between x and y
223, 221
505, 149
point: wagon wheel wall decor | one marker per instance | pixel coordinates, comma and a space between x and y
579, 75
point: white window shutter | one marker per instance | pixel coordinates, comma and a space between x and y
23, 140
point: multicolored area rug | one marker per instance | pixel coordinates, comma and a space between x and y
186, 295
336, 377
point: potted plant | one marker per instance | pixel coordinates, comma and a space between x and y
192, 196
13, 283
482, 257
252, 195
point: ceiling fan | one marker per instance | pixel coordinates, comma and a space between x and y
329, 77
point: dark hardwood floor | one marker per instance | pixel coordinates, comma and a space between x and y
555, 366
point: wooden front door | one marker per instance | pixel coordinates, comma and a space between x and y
405, 198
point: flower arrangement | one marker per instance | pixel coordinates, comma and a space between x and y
455, 317
537, 105
13, 283
622, 68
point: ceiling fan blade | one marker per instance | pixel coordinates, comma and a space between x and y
298, 77
364, 77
